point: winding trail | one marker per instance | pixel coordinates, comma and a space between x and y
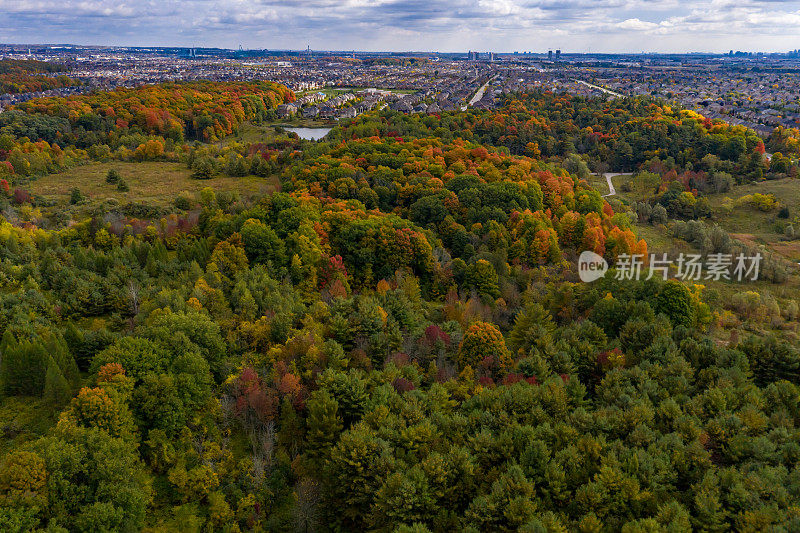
608, 176
611, 188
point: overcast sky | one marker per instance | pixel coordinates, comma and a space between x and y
420, 25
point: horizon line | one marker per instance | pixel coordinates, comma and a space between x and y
353, 51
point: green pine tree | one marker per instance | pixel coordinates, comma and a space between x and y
709, 515
59, 351
324, 426
57, 390
22, 369
8, 341
533, 327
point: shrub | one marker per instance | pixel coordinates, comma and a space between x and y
203, 168
183, 202
21, 196
113, 176
762, 202
75, 196
659, 215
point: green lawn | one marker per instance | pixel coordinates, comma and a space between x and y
747, 224
330, 92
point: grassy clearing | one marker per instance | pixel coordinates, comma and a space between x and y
334, 91
395, 91
251, 133
787, 191
744, 223
330, 92
153, 183
659, 240
753, 226
598, 183
619, 181
748, 225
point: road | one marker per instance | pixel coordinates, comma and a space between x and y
603, 89
608, 176
478, 95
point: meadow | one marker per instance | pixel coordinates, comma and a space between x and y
153, 183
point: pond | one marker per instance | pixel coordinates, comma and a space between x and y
310, 134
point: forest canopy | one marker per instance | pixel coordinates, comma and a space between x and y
397, 338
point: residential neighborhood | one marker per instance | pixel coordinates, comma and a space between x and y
755, 90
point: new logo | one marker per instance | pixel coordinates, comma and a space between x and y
591, 266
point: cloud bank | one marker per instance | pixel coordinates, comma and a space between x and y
429, 25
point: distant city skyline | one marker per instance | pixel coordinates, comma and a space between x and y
23, 48
599, 26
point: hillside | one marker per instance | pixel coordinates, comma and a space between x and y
209, 324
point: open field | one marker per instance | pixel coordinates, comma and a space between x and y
745, 224
751, 225
619, 180
333, 91
786, 191
330, 92
596, 181
745, 220
600, 182
395, 91
154, 183
251, 133
298, 121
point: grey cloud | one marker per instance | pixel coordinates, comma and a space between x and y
382, 24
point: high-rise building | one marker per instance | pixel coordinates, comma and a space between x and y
472, 56
491, 56
550, 55
558, 55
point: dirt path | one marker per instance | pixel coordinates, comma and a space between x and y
608, 176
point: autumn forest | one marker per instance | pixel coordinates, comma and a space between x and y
387, 330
